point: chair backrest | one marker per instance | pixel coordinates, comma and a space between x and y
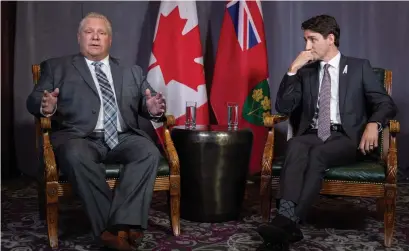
385, 78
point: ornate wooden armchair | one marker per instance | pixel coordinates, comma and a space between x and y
54, 184
370, 177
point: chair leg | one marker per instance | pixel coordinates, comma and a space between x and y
52, 213
175, 214
389, 215
52, 223
265, 194
174, 194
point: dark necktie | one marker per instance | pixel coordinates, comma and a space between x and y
109, 105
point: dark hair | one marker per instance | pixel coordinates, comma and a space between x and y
325, 25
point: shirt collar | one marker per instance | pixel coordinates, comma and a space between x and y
104, 61
334, 62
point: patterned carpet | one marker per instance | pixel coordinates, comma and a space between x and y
334, 224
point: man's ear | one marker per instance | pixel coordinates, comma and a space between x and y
331, 38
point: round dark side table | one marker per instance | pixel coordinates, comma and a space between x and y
214, 163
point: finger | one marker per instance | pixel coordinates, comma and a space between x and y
361, 146
159, 96
55, 92
46, 93
376, 142
367, 146
148, 93
162, 101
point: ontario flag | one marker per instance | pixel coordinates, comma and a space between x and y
241, 72
176, 63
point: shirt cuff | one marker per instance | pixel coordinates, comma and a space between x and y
290, 74
380, 126
48, 115
155, 116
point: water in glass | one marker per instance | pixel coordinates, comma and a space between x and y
190, 115
232, 115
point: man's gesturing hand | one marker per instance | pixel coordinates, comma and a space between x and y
49, 101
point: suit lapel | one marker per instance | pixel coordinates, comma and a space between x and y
343, 83
82, 67
116, 78
314, 86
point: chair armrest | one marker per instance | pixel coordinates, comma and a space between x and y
170, 121
392, 158
45, 123
268, 154
271, 120
170, 149
173, 158
50, 167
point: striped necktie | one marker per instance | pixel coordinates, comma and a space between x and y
109, 105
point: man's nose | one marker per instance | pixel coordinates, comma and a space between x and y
95, 36
308, 46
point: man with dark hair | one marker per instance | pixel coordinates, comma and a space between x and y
341, 106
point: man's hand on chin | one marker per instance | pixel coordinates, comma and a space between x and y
369, 139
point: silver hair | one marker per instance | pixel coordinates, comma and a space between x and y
96, 15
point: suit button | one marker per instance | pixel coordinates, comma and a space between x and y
93, 111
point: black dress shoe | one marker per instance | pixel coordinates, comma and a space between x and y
280, 230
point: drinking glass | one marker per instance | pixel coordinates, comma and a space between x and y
190, 115
232, 115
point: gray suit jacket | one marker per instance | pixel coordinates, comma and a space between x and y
78, 101
362, 98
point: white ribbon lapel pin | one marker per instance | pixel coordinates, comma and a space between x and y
345, 69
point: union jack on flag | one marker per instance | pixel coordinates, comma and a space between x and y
242, 18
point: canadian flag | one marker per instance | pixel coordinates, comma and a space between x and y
176, 62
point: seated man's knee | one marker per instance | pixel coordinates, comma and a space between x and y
294, 144
317, 159
149, 150
153, 153
72, 152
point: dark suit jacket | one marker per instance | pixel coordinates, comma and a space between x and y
362, 98
78, 101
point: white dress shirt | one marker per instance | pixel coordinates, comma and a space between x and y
107, 70
334, 74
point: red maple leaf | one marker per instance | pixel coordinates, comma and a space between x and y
175, 52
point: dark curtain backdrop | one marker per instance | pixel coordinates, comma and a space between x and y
373, 30
8, 24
